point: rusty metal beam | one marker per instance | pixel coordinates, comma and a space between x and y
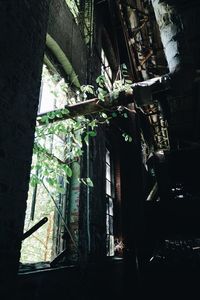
92, 106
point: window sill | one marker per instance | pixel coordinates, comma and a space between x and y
30, 268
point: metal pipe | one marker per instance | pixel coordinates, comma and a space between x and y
34, 228
178, 55
152, 192
177, 52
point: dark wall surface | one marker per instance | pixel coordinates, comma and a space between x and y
64, 30
22, 40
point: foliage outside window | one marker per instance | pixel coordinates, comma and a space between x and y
57, 146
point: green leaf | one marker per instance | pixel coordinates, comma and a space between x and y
114, 114
104, 115
128, 81
87, 89
51, 181
101, 97
34, 180
89, 182
51, 115
127, 137
60, 189
93, 124
45, 119
86, 139
92, 133
65, 111
115, 94
101, 80
58, 114
102, 91
67, 170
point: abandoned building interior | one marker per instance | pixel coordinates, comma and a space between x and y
100, 149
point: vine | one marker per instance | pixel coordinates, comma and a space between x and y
60, 143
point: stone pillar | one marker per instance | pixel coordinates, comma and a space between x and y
22, 41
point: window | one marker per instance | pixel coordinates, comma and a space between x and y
44, 200
106, 70
114, 235
110, 194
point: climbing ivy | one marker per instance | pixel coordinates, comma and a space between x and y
60, 143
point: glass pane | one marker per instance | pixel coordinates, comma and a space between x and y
108, 81
107, 157
113, 190
58, 148
108, 172
110, 206
107, 224
107, 208
102, 70
102, 56
49, 142
106, 64
109, 71
112, 246
108, 245
108, 188
110, 224
47, 100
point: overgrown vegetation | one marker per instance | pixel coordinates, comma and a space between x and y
51, 164
58, 145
